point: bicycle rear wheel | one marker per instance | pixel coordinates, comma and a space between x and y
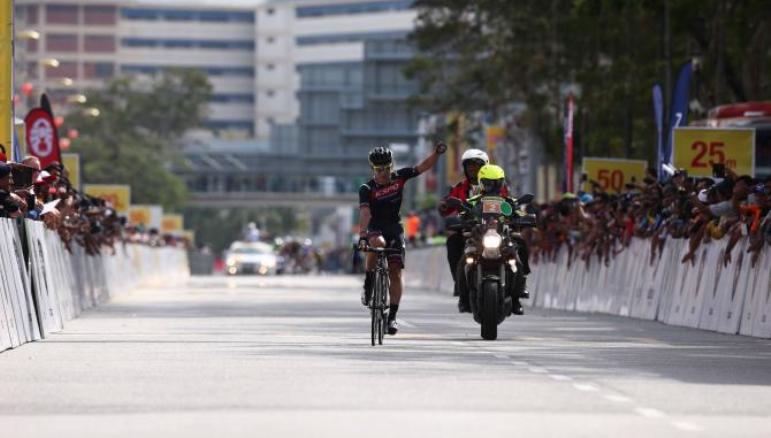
374, 329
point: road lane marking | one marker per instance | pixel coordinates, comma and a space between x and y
617, 398
405, 323
560, 377
538, 370
519, 363
650, 413
585, 387
500, 356
686, 426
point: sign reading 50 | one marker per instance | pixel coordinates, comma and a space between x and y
697, 149
613, 174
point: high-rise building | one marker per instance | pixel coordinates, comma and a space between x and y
250, 54
94, 41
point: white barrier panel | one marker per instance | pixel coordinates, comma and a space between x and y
43, 282
54, 285
758, 322
708, 294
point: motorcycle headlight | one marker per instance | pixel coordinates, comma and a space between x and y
491, 239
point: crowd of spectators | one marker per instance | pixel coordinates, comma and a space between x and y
46, 194
600, 225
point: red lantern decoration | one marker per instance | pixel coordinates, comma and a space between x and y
58, 121
73, 134
27, 88
64, 143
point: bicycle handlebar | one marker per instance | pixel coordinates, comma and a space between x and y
377, 250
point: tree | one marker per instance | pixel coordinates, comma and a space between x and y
136, 136
481, 55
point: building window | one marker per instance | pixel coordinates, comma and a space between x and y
232, 98
32, 70
271, 67
187, 15
61, 14
32, 14
271, 40
354, 8
270, 11
31, 46
270, 93
100, 15
98, 70
99, 43
66, 69
59, 42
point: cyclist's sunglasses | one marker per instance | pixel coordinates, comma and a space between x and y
381, 168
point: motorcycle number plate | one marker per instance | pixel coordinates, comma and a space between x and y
491, 206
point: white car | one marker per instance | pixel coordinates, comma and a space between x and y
251, 258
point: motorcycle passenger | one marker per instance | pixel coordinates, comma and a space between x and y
380, 223
492, 181
472, 160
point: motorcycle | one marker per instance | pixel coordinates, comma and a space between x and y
491, 264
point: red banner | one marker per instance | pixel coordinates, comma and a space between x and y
569, 145
42, 137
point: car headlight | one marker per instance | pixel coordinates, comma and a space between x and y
269, 263
491, 239
233, 260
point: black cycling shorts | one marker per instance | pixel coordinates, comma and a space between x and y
394, 237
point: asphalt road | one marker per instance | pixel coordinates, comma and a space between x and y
290, 356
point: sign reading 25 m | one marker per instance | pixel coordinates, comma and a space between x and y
697, 149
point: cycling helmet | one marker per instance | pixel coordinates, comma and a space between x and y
380, 156
491, 178
476, 155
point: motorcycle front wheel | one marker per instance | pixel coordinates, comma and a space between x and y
489, 310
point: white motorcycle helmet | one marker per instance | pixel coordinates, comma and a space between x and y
476, 155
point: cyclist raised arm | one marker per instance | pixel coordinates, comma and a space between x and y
380, 222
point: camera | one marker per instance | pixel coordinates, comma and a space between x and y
22, 176
718, 170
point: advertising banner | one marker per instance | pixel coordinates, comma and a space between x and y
149, 216
119, 195
612, 173
697, 149
42, 137
172, 224
71, 162
494, 136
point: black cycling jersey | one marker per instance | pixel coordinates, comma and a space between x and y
385, 201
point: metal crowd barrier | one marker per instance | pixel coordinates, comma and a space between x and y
44, 285
709, 294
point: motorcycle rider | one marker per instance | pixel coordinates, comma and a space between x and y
472, 160
380, 223
492, 182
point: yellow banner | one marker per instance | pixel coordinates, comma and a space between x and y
611, 173
189, 235
172, 224
494, 136
21, 137
6, 75
119, 195
71, 162
149, 216
696, 149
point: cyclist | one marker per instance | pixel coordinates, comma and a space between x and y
472, 160
492, 181
379, 221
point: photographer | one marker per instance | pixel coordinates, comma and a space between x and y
11, 205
